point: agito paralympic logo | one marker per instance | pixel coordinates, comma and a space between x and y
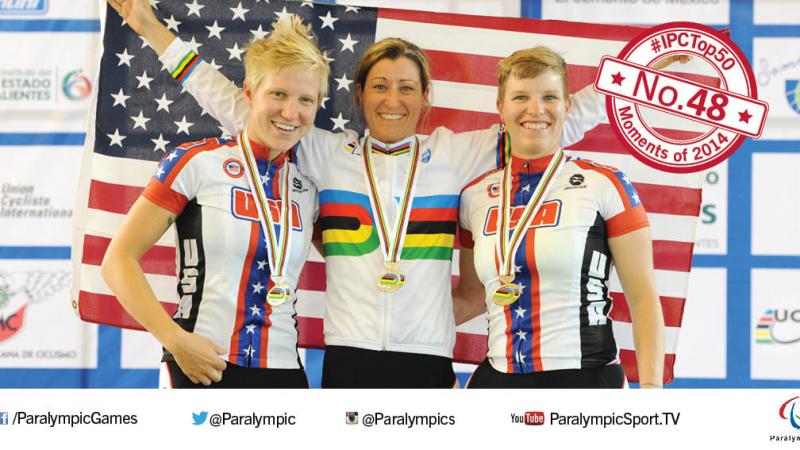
787, 412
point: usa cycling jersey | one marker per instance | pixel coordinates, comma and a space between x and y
222, 262
560, 320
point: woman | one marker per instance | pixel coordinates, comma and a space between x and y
242, 234
544, 246
388, 211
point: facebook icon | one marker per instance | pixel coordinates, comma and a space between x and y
3, 418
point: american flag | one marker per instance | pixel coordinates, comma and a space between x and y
140, 112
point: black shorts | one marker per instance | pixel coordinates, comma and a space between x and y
236, 377
610, 376
350, 367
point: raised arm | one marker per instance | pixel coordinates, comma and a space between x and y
196, 355
215, 93
633, 257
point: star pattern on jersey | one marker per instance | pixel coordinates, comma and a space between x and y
255, 311
257, 288
163, 115
262, 264
250, 328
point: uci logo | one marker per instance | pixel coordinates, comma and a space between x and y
233, 168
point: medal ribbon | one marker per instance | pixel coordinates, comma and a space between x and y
507, 247
277, 246
391, 245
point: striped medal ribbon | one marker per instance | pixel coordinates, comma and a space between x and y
507, 247
278, 247
391, 244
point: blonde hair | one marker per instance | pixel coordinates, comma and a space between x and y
530, 63
290, 44
393, 49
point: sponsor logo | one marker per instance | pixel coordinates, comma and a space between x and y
351, 418
793, 94
576, 180
788, 412
534, 418
297, 185
426, 156
778, 326
23, 7
199, 418
548, 215
233, 168
729, 112
243, 206
76, 85
19, 289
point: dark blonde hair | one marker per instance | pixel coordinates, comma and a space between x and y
530, 63
393, 49
291, 43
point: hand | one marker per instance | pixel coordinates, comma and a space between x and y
198, 357
138, 14
671, 59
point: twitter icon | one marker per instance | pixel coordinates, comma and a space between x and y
199, 418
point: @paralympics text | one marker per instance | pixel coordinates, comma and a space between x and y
91, 418
407, 420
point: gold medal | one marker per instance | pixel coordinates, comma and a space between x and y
393, 279
507, 294
279, 293
391, 242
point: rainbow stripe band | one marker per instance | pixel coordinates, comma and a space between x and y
185, 67
392, 279
278, 295
396, 151
506, 295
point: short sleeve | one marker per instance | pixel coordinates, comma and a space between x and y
175, 181
474, 153
317, 147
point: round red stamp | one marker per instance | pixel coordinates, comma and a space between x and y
722, 104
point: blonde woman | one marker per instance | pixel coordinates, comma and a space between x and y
243, 230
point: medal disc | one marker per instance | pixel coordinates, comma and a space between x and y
507, 294
278, 295
391, 282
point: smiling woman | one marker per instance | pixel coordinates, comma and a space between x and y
557, 225
238, 264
